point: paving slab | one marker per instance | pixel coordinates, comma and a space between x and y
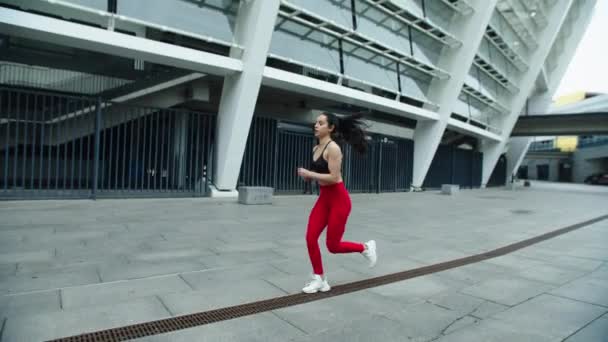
49, 279
373, 328
594, 331
495, 331
417, 289
587, 289
121, 291
44, 301
41, 327
337, 312
507, 291
425, 321
466, 305
554, 316
144, 269
211, 298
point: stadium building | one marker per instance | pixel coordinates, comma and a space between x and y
155, 98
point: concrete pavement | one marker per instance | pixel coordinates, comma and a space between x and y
68, 267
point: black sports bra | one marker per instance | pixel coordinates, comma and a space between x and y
320, 165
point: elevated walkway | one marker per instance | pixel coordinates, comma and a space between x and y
586, 117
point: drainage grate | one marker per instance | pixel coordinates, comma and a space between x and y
223, 314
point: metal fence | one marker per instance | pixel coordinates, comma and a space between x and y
61, 146
276, 149
66, 146
273, 153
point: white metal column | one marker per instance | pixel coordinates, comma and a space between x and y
445, 92
254, 27
518, 146
546, 38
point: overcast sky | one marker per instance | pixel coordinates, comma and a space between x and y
588, 70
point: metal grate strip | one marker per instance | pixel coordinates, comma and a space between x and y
223, 314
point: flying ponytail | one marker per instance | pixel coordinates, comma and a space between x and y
348, 129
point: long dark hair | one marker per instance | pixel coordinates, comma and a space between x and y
348, 129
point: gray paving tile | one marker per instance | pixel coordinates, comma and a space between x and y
8, 269
495, 331
507, 291
586, 289
15, 257
338, 311
488, 309
595, 331
46, 280
35, 302
556, 275
550, 315
204, 278
516, 262
600, 273
218, 295
45, 326
415, 289
171, 254
231, 259
466, 305
595, 253
477, 272
144, 269
120, 291
373, 328
555, 256
425, 321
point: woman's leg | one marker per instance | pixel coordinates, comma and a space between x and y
316, 223
338, 215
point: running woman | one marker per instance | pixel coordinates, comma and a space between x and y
333, 205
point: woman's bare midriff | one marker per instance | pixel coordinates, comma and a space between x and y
330, 183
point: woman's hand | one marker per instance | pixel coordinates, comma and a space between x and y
302, 172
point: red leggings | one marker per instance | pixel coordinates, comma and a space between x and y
331, 210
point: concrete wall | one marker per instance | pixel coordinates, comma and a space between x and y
553, 168
589, 160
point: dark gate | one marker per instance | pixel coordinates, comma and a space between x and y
463, 168
499, 174
452, 165
440, 171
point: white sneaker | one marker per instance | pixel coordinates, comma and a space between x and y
316, 284
370, 252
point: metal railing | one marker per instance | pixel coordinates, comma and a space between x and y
67, 146
276, 149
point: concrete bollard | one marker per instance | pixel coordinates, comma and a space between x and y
255, 195
450, 189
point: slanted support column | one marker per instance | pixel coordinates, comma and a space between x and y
518, 146
444, 93
254, 28
546, 38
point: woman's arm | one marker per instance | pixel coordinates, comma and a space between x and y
334, 161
